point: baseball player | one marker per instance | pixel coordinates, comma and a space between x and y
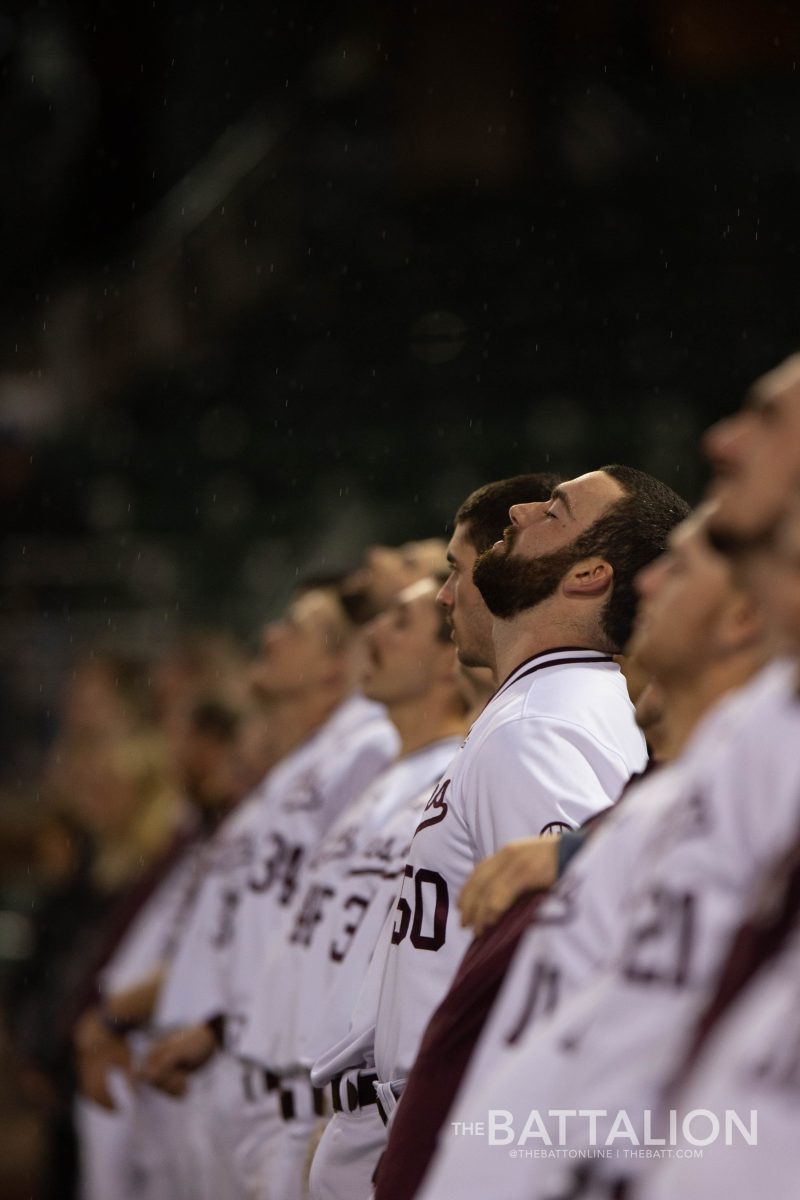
311, 973
609, 1049
557, 742
743, 1053
108, 1157
110, 1115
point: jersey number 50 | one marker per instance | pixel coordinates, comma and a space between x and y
430, 887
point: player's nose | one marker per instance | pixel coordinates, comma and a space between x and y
523, 514
444, 596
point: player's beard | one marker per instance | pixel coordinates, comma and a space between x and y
510, 584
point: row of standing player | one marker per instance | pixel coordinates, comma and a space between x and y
222, 976
288, 915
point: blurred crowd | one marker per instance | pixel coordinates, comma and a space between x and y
148, 757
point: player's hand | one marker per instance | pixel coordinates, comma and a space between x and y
98, 1051
176, 1056
530, 864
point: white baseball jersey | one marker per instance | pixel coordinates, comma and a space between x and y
751, 1064
258, 859
190, 990
310, 978
577, 931
356, 1049
147, 940
612, 1045
556, 743
108, 1141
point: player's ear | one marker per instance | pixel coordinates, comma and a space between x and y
589, 579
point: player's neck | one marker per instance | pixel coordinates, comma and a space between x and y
421, 723
522, 637
685, 703
477, 690
296, 717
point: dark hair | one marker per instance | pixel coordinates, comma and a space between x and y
631, 534
485, 511
216, 719
322, 580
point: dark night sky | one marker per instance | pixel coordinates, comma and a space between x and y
279, 279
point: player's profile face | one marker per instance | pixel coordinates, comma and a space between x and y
404, 654
469, 617
295, 648
544, 526
386, 570
380, 576
775, 575
681, 594
755, 458
527, 567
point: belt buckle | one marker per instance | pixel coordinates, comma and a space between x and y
344, 1092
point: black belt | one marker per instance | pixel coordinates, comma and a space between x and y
273, 1083
255, 1078
286, 1097
357, 1095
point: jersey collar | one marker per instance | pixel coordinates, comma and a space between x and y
560, 656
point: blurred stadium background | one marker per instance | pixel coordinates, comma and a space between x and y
283, 279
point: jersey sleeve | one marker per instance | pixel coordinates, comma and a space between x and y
193, 988
537, 776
